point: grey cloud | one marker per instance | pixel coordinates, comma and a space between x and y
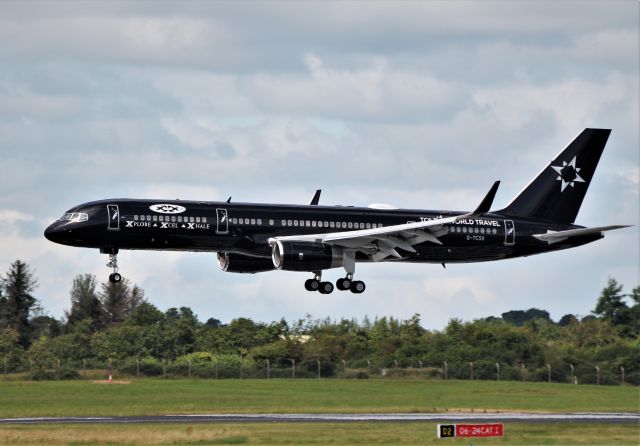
231, 36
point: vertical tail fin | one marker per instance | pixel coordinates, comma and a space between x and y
557, 192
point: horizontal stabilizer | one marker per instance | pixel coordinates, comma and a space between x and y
485, 206
558, 236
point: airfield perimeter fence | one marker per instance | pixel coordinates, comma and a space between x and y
245, 368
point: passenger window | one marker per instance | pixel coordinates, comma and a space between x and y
332, 224
135, 218
270, 222
284, 222
350, 225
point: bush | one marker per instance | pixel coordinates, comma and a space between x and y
149, 366
43, 375
196, 358
64, 373
356, 374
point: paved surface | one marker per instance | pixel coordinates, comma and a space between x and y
609, 418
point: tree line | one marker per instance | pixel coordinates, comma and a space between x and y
114, 325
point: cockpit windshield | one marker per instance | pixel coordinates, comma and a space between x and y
75, 217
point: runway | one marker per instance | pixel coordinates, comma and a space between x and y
607, 418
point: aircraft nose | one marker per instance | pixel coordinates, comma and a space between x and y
53, 232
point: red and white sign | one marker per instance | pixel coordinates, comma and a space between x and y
480, 430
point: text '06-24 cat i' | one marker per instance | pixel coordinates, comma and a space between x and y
252, 238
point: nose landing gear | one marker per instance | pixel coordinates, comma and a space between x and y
115, 276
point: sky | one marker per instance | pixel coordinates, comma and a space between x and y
416, 104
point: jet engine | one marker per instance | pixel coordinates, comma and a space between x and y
238, 263
305, 256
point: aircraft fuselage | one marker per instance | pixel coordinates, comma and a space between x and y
245, 228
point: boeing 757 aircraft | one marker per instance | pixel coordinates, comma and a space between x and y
252, 238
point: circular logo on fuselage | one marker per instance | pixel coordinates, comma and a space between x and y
167, 208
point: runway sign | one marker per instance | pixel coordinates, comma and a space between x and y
470, 430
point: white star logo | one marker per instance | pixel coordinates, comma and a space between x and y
568, 174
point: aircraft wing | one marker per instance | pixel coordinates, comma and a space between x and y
380, 243
558, 236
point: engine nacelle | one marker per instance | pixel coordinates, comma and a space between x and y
306, 256
238, 263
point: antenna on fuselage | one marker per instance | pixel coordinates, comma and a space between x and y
316, 198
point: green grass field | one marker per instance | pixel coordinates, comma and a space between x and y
158, 397
344, 434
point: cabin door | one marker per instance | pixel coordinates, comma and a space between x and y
222, 221
114, 217
509, 233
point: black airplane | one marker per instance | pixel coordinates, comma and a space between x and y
252, 238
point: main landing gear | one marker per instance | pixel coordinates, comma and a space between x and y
315, 284
115, 276
343, 284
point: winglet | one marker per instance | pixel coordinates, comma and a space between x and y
316, 198
485, 206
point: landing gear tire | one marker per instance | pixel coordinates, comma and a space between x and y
312, 285
326, 288
357, 287
114, 277
343, 284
